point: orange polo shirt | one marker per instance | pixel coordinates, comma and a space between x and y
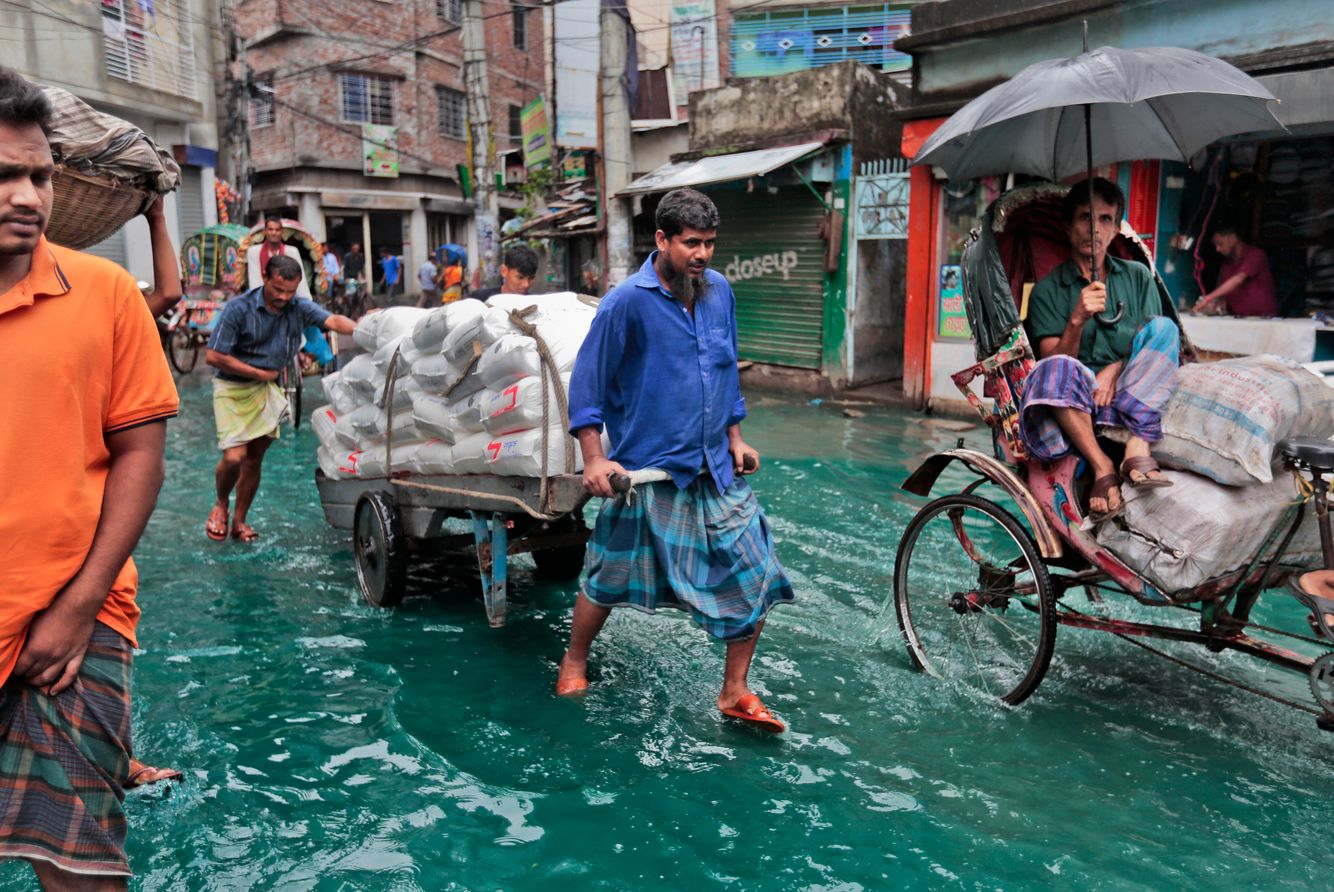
80, 358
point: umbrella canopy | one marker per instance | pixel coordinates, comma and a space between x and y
1161, 102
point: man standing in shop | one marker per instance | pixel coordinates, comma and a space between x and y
1245, 283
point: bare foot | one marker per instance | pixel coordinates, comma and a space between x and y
573, 677
1108, 501
216, 526
142, 775
244, 532
1138, 448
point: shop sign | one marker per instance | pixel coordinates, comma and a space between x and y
536, 134
778, 263
951, 317
379, 150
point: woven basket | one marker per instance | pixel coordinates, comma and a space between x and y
89, 209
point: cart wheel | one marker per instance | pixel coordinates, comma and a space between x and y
183, 350
381, 550
974, 599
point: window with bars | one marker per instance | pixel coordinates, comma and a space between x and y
450, 10
452, 106
516, 123
520, 28
262, 105
367, 98
150, 44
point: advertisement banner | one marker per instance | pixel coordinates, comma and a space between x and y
536, 134
951, 317
694, 47
578, 36
379, 150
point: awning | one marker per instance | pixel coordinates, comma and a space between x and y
718, 168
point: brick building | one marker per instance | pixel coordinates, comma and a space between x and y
323, 71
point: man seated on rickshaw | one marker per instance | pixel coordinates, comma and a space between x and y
1094, 373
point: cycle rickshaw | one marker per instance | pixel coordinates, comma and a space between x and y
979, 592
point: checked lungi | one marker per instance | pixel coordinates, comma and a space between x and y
1142, 390
692, 549
63, 761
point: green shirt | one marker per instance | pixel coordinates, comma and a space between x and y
1054, 299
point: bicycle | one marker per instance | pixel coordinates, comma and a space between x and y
186, 331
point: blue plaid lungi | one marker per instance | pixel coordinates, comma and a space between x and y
1142, 390
692, 549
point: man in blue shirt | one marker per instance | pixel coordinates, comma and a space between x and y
658, 370
391, 267
257, 335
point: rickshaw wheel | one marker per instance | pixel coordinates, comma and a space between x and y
381, 550
290, 382
974, 599
183, 351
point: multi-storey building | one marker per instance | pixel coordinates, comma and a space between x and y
332, 84
149, 63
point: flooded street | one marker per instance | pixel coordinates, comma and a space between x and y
331, 745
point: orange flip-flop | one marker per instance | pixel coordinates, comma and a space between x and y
752, 710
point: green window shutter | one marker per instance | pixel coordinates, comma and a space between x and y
770, 250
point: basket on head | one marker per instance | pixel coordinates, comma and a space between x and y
88, 209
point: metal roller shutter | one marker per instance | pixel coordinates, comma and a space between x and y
190, 201
769, 248
112, 248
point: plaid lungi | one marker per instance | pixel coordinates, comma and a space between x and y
1142, 390
63, 761
693, 549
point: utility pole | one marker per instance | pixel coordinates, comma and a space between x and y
614, 145
238, 110
487, 215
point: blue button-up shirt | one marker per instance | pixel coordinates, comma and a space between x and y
247, 331
664, 383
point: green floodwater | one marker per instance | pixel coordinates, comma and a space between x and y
330, 745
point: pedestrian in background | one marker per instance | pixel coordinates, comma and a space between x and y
428, 281
272, 245
391, 274
517, 271
86, 404
659, 371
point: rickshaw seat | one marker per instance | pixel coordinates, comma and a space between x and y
1311, 452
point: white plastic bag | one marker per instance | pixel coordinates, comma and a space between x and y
458, 343
515, 356
324, 421
435, 373
517, 454
385, 354
466, 413
519, 406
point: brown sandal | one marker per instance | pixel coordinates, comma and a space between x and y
1144, 465
1101, 487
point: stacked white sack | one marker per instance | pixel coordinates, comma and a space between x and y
467, 396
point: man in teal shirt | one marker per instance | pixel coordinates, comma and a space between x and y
1117, 374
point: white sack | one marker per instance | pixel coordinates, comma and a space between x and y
428, 334
324, 421
376, 329
337, 464
458, 343
1182, 536
517, 454
466, 412
519, 406
359, 374
433, 457
515, 356
434, 373
385, 354
432, 416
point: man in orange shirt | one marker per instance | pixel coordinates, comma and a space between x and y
81, 441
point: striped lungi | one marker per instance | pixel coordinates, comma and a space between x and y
692, 549
63, 761
1142, 391
247, 410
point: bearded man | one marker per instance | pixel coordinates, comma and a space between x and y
659, 370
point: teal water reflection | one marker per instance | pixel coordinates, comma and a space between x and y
330, 745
